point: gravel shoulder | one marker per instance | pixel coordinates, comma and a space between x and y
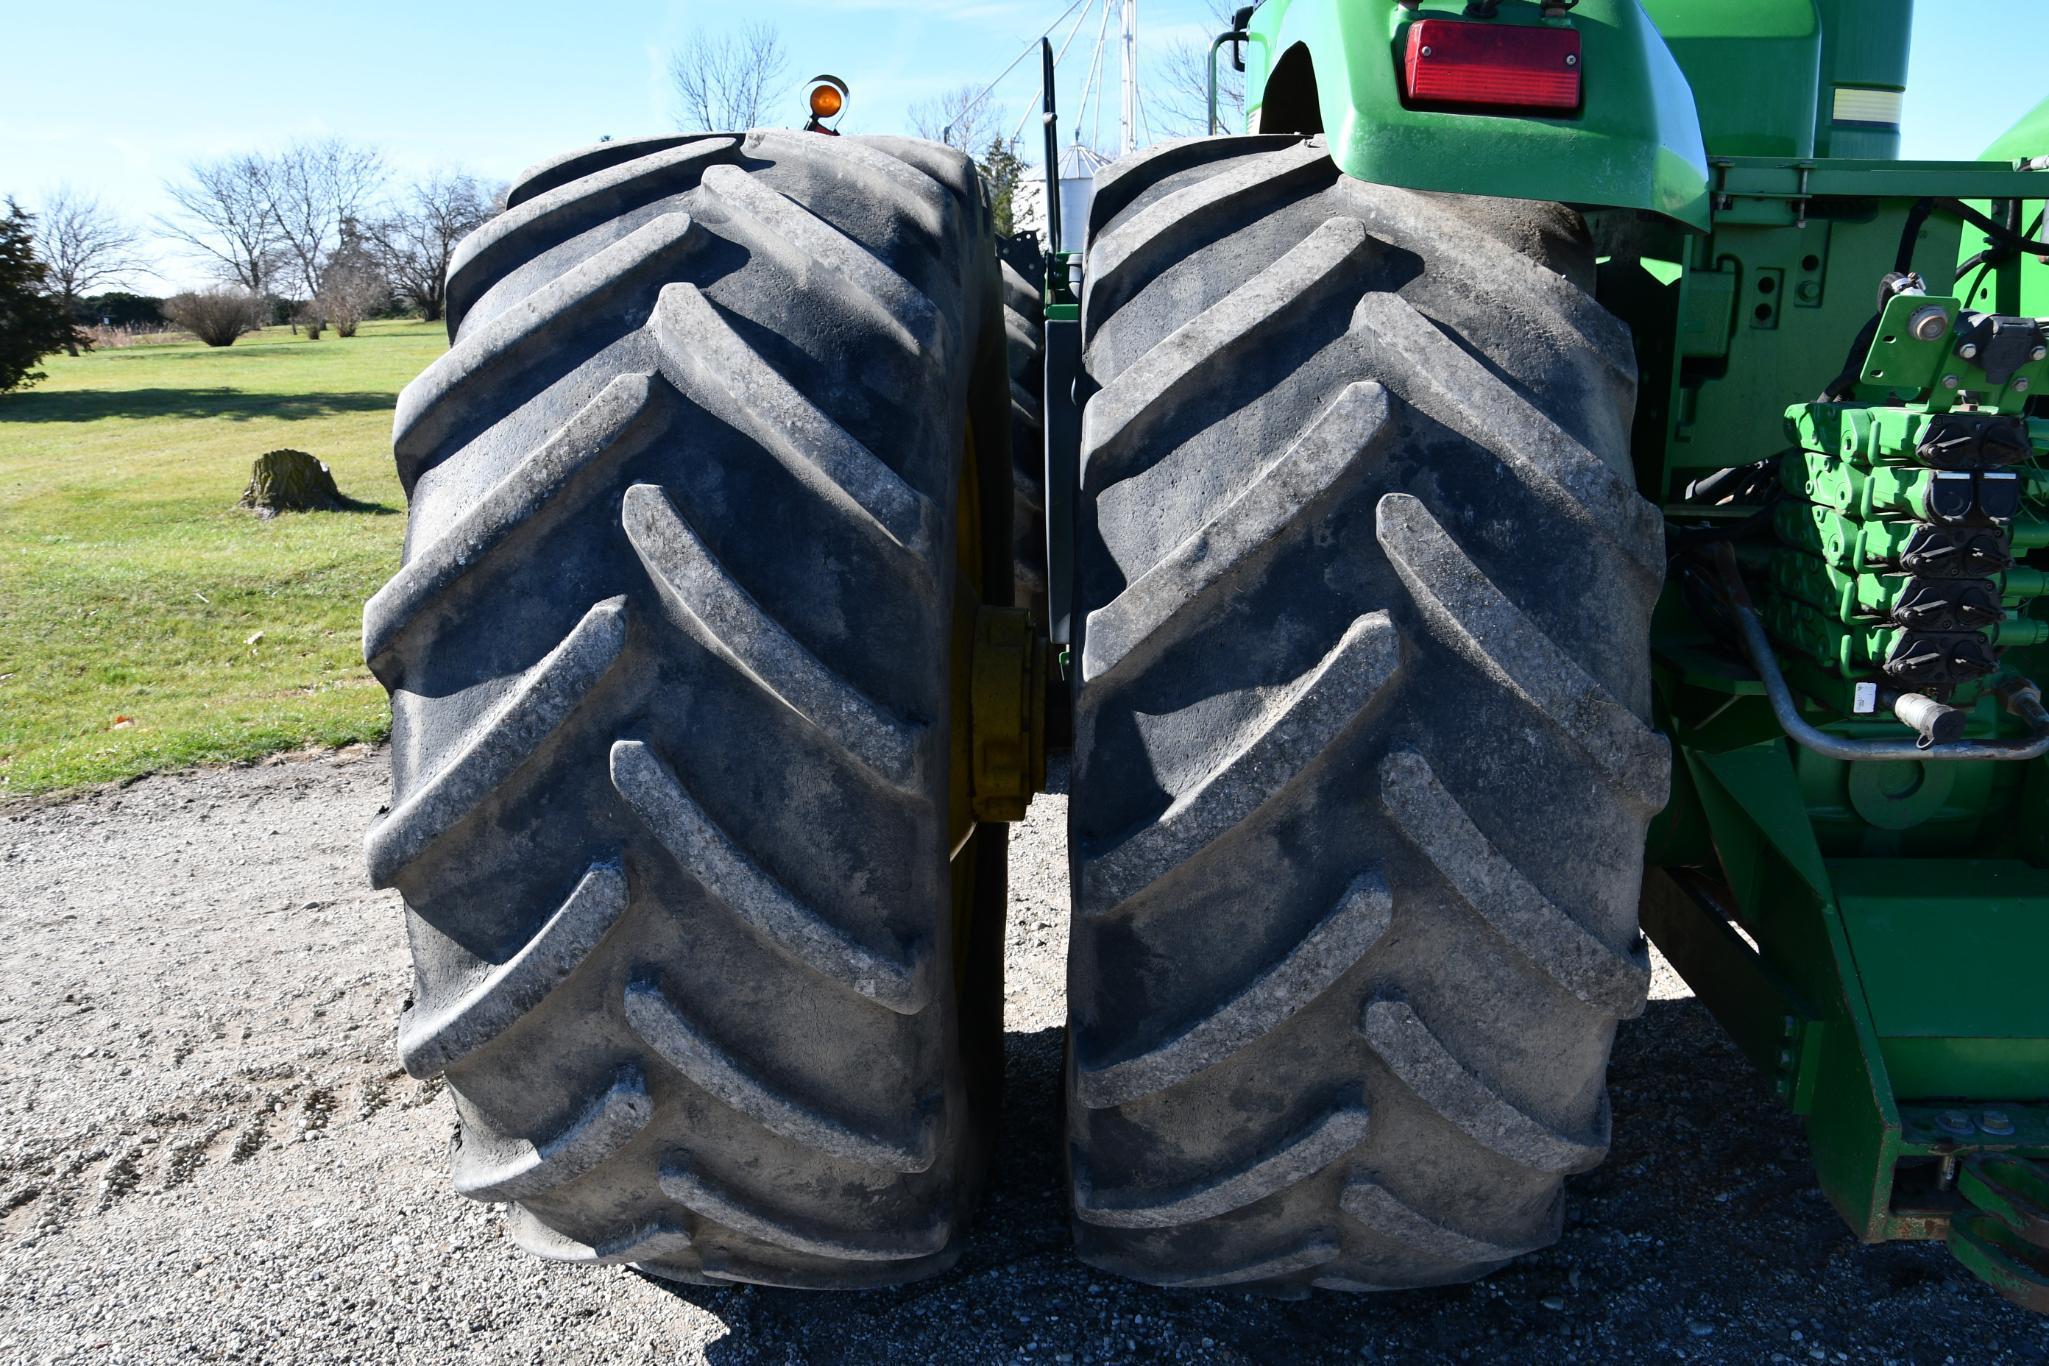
208, 1151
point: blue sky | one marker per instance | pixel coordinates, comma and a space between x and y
120, 94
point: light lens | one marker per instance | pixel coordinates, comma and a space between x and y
827, 100
1501, 66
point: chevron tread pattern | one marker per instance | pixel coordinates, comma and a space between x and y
1375, 1206
1341, 438
715, 609
435, 407
509, 736
710, 1200
629, 730
581, 192
1300, 1157
1608, 979
709, 360
546, 486
431, 1039
1280, 503
1024, 331
1503, 641
529, 1169
1465, 1099
1312, 712
1326, 953
695, 841
685, 1047
1175, 367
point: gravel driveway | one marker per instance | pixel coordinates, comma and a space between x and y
207, 1150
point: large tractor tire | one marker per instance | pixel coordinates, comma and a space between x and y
678, 691
1024, 327
1362, 769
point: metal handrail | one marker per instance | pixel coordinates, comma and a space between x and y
1236, 35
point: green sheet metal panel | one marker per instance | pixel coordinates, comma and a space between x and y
1865, 45
2021, 285
1976, 1070
1754, 67
2027, 138
1953, 957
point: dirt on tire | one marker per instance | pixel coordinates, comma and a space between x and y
676, 717
1363, 757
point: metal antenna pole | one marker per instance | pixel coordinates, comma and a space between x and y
1128, 119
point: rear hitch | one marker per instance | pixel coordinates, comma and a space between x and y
2003, 1236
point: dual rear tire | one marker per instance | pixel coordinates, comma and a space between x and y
1362, 766
704, 500
707, 945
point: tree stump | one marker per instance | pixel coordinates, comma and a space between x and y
290, 481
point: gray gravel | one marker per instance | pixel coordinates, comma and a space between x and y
208, 1150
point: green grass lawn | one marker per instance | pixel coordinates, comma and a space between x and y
133, 592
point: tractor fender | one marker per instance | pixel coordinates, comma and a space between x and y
2026, 290
1635, 142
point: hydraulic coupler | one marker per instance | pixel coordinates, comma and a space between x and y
1898, 564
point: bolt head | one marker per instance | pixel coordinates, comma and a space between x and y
1956, 1122
1928, 324
1969, 350
1950, 381
2039, 353
2020, 386
1998, 1123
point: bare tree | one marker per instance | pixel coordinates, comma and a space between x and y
311, 190
956, 120
1178, 93
728, 81
352, 285
224, 216
86, 245
82, 245
416, 239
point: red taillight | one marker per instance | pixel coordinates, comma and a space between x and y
1499, 65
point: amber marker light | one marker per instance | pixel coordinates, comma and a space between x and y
828, 98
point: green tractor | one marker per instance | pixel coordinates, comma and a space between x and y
1557, 473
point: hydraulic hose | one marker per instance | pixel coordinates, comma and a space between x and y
1759, 647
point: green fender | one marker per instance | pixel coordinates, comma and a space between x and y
2027, 139
1635, 143
2022, 285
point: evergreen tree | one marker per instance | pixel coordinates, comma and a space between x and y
33, 322
1001, 171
